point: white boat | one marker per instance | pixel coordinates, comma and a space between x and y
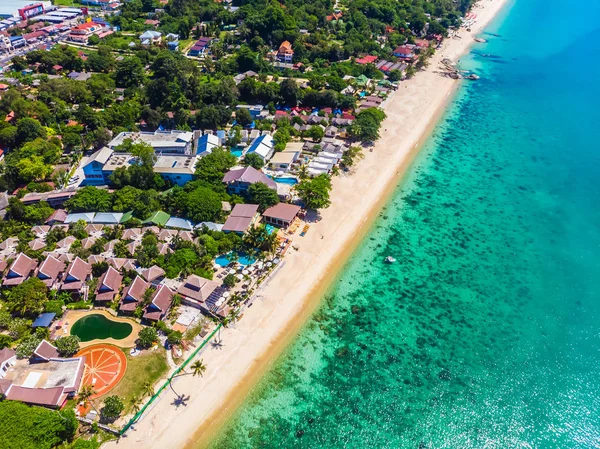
390, 259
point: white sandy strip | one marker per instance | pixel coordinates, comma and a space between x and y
253, 344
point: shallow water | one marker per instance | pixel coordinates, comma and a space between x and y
485, 331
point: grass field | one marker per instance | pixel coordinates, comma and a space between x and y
147, 367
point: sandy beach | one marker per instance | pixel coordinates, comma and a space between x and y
253, 344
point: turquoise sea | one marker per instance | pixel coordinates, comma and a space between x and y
486, 332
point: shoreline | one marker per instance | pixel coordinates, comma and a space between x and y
252, 345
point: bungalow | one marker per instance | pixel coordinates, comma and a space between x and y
264, 146
179, 223
76, 276
205, 144
177, 169
58, 216
284, 160
281, 214
154, 275
200, 47
108, 285
50, 271
285, 54
21, 268
37, 244
8, 358
331, 131
160, 304
403, 52
239, 180
108, 218
370, 59
195, 290
150, 37
242, 217
133, 295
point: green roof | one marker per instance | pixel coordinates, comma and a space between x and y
158, 218
126, 216
362, 80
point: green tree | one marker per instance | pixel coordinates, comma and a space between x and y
28, 298
147, 337
113, 406
130, 72
89, 199
316, 133
315, 192
261, 194
67, 345
289, 91
27, 345
243, 117
212, 167
253, 160
367, 124
198, 368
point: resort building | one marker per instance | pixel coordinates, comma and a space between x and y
264, 146
242, 217
108, 285
57, 217
21, 269
46, 379
160, 304
283, 160
196, 290
206, 144
176, 169
133, 295
76, 276
403, 52
92, 169
285, 53
81, 33
154, 275
239, 180
172, 142
50, 271
150, 37
281, 214
200, 47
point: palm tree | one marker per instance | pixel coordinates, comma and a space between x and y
148, 389
85, 394
135, 404
198, 368
303, 172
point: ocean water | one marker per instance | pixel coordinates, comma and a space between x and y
486, 331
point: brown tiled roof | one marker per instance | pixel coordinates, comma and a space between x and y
154, 229
66, 242
282, 211
197, 288
45, 351
88, 242
6, 354
166, 234
58, 215
49, 397
248, 175
131, 233
50, 269
39, 230
109, 246
240, 218
187, 236
20, 270
161, 302
11, 241
95, 259
163, 248
108, 285
133, 294
36, 244
152, 273
91, 228
79, 269
5, 385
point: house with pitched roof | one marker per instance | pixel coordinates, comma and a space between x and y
242, 218
154, 275
76, 276
92, 169
285, 53
108, 285
195, 290
264, 146
50, 271
20, 270
239, 180
133, 295
160, 304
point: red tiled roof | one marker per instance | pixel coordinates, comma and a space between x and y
133, 294
161, 302
45, 351
282, 211
197, 288
153, 273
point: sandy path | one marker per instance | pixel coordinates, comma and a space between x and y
253, 344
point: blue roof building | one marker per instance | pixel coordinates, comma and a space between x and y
44, 320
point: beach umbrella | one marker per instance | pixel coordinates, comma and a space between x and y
231, 271
240, 276
226, 294
245, 272
276, 260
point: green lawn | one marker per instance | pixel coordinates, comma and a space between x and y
147, 367
66, 2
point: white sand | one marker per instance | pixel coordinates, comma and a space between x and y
251, 346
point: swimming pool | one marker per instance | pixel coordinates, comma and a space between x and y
271, 229
97, 326
236, 152
286, 180
243, 259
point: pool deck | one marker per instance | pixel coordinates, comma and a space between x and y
72, 316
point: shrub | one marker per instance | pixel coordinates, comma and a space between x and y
147, 337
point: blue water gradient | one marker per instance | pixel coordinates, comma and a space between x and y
486, 331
